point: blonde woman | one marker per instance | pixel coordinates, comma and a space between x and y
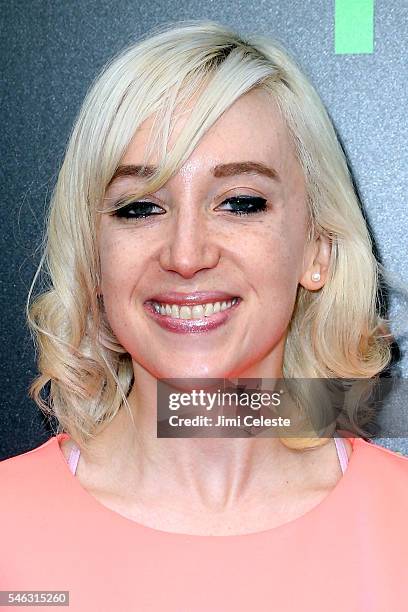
203, 225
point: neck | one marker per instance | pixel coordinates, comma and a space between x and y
217, 473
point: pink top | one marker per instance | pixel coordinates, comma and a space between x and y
347, 553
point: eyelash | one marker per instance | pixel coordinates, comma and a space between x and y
258, 204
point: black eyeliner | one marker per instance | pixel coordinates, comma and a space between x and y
122, 211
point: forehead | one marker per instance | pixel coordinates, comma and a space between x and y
251, 128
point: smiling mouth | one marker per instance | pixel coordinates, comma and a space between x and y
196, 312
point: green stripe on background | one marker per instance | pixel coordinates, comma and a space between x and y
354, 26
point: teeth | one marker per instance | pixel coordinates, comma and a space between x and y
198, 311
185, 312
208, 310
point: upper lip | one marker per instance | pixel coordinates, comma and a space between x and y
198, 297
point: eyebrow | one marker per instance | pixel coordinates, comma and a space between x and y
219, 171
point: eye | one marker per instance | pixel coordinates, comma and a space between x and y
137, 210
238, 205
246, 205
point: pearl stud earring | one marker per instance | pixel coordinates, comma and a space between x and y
316, 276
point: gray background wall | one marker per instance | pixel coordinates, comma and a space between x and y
51, 51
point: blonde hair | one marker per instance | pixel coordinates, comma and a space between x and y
89, 372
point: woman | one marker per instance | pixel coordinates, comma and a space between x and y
204, 225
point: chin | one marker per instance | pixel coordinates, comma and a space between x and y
188, 371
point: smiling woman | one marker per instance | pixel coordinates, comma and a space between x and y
204, 226
212, 234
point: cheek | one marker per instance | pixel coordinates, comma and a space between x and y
274, 255
121, 268
273, 265
115, 259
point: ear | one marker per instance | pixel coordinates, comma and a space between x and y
316, 263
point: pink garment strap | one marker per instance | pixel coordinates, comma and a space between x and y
340, 447
74, 458
341, 452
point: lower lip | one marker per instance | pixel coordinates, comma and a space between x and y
191, 326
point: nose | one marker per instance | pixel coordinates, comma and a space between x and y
190, 246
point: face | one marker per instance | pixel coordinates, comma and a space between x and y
218, 232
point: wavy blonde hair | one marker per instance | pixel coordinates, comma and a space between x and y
89, 372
